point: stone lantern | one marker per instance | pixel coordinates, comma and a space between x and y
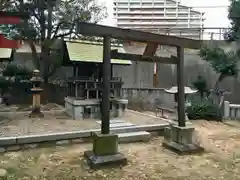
36, 90
187, 91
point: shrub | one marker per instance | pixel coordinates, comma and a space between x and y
201, 85
4, 85
203, 110
19, 72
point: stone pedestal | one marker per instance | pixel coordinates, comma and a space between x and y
180, 140
36, 90
121, 107
105, 151
78, 108
226, 110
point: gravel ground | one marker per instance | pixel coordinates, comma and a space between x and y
147, 161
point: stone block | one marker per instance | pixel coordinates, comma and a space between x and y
6, 141
105, 144
134, 137
95, 161
119, 112
13, 148
118, 125
28, 139
182, 135
226, 110
180, 140
114, 121
2, 150
78, 112
182, 149
63, 142
30, 146
167, 133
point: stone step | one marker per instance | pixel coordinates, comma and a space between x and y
134, 136
118, 125
114, 121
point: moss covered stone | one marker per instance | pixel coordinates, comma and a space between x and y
105, 144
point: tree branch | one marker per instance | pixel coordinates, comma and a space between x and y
65, 34
36, 61
50, 18
57, 29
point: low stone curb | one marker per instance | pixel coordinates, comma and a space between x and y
44, 111
15, 143
155, 117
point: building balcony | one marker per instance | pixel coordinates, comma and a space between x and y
126, 12
142, 12
154, 23
154, 17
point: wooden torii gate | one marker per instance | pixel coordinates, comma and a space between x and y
180, 132
152, 41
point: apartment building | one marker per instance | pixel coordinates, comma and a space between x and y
159, 16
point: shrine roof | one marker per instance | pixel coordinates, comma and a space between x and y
88, 51
6, 54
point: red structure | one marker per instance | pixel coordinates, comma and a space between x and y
10, 18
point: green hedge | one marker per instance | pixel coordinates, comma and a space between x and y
204, 109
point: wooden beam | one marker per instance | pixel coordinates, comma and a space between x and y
180, 85
150, 49
106, 68
137, 57
90, 29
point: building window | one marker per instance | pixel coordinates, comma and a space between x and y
146, 4
134, 3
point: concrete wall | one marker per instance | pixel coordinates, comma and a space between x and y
137, 75
149, 95
195, 66
140, 74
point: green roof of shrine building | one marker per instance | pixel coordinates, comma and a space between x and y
6, 54
88, 51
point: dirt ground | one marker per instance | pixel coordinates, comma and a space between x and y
147, 161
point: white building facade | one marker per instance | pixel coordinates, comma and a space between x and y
159, 16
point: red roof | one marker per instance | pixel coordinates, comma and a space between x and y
12, 17
7, 43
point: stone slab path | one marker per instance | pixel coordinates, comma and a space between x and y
128, 136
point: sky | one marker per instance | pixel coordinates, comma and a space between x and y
215, 17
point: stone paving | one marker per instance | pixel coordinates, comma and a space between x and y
20, 124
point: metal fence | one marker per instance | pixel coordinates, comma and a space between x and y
207, 33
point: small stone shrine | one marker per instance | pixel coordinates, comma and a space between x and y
36, 90
85, 87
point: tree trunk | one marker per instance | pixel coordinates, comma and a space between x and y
201, 95
35, 57
220, 98
216, 85
45, 80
